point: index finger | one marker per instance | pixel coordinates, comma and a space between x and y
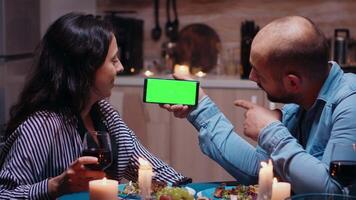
244, 104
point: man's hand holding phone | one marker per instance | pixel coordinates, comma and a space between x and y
182, 111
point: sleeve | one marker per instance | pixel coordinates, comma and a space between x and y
305, 172
218, 140
23, 163
133, 150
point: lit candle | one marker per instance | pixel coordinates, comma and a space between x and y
200, 74
181, 69
265, 178
148, 73
103, 189
280, 190
145, 178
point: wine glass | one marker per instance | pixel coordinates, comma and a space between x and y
343, 164
97, 144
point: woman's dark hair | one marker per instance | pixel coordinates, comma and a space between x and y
66, 60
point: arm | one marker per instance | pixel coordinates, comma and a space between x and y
305, 172
28, 169
18, 173
219, 141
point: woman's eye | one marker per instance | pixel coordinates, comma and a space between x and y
115, 60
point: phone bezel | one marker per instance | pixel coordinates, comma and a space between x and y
196, 91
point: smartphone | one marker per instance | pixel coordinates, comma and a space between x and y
171, 91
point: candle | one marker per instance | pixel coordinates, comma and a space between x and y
103, 189
145, 178
200, 74
148, 73
280, 190
265, 178
181, 70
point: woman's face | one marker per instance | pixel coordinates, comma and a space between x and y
106, 74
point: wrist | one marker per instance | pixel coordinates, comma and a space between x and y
53, 187
201, 94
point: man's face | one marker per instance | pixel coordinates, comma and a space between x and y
270, 79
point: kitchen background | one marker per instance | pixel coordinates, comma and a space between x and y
226, 16
177, 143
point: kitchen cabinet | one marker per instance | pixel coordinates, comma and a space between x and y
175, 140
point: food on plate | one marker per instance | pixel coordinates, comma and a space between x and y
130, 189
160, 190
174, 193
133, 188
242, 192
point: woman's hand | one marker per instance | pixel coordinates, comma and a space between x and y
75, 179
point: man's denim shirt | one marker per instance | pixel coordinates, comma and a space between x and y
299, 146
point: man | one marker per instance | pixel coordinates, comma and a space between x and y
289, 58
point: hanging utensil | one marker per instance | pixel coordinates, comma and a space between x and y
175, 21
169, 25
156, 31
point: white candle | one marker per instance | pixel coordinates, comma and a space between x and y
265, 178
103, 189
200, 74
148, 73
145, 178
181, 70
280, 190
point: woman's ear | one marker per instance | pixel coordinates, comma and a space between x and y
292, 83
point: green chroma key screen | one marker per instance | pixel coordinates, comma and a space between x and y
171, 91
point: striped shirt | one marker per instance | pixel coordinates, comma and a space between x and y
45, 144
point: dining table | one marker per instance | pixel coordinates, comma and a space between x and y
210, 186
197, 187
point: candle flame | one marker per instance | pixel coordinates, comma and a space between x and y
148, 73
275, 180
143, 161
144, 164
263, 164
181, 69
200, 74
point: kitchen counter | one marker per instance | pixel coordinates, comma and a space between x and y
209, 81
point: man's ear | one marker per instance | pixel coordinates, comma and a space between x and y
292, 83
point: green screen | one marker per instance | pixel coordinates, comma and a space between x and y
171, 91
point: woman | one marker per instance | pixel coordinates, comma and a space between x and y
74, 72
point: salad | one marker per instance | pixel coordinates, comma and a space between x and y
160, 190
240, 192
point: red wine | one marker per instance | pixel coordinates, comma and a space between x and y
343, 171
104, 158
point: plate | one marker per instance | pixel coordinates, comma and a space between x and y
209, 193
